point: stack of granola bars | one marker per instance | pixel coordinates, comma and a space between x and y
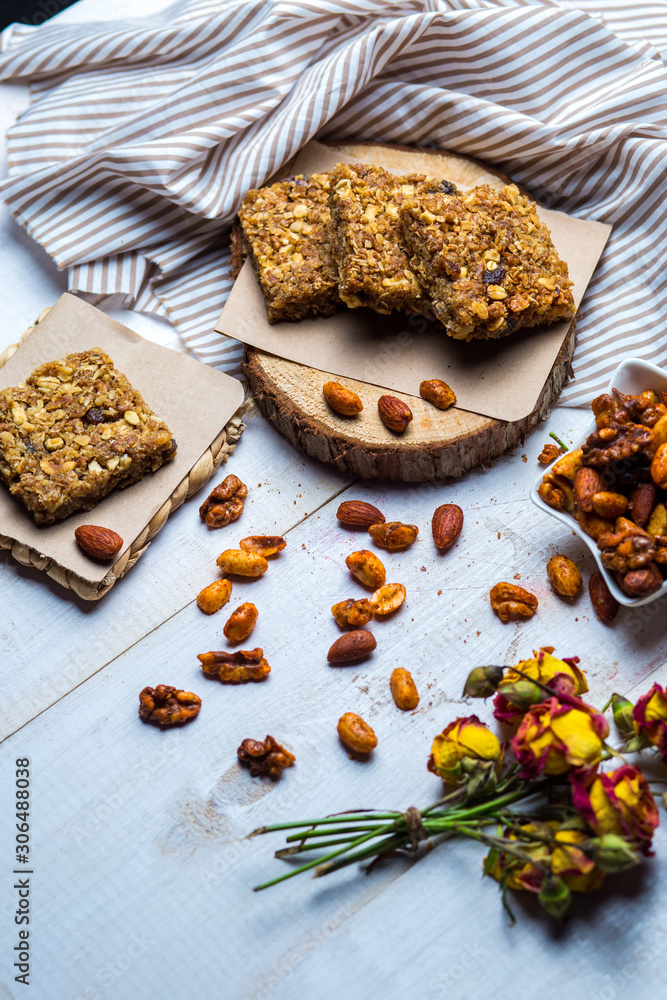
481, 262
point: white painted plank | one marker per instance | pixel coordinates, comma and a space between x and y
37, 614
137, 833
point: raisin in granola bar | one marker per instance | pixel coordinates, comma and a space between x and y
373, 266
285, 228
74, 431
487, 260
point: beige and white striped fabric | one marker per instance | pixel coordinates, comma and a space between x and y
143, 136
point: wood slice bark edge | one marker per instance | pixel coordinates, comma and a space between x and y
347, 445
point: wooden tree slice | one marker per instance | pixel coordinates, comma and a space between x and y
437, 444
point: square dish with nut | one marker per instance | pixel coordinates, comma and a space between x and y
612, 489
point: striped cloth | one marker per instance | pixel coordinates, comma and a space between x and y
143, 136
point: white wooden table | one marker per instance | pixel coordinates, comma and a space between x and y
142, 876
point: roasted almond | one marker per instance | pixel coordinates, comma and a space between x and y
342, 400
352, 647
602, 599
640, 582
98, 543
447, 525
564, 576
359, 514
435, 391
587, 482
642, 501
394, 413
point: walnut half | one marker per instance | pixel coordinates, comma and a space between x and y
265, 757
167, 706
509, 601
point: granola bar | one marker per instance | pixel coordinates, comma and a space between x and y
373, 267
487, 260
285, 228
74, 431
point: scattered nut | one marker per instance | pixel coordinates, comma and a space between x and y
657, 524
356, 734
593, 524
240, 623
352, 647
367, 568
587, 482
167, 706
388, 598
643, 581
342, 400
447, 525
564, 576
263, 545
98, 543
394, 413
214, 597
352, 614
556, 492
235, 668
359, 514
435, 391
569, 464
509, 601
642, 501
393, 535
265, 757
659, 467
242, 563
549, 453
610, 505
602, 599
225, 503
403, 689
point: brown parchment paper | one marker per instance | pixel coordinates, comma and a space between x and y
195, 401
501, 378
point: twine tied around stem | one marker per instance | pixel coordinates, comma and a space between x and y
415, 826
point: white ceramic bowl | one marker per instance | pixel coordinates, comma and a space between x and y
632, 376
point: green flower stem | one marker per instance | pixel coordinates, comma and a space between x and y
390, 843
561, 443
327, 857
330, 831
287, 852
341, 818
507, 847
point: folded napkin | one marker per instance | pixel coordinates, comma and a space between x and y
143, 136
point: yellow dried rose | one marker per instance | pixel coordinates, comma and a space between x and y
554, 738
461, 747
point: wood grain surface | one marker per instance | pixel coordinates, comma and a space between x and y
437, 444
